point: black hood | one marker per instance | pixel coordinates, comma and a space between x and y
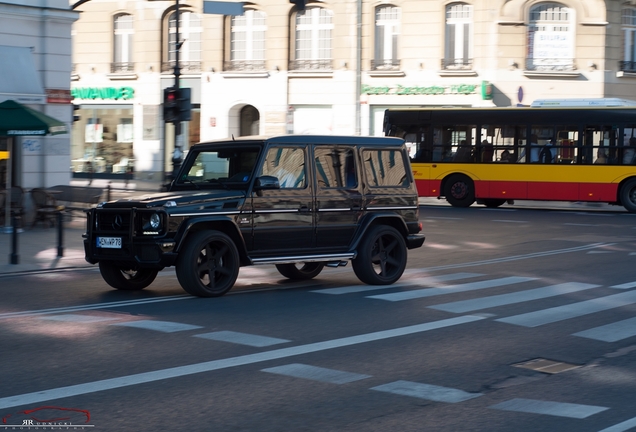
209, 198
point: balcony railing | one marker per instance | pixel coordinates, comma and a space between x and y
121, 67
457, 64
550, 65
311, 65
186, 66
627, 66
244, 65
385, 65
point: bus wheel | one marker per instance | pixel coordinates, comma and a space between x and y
628, 195
460, 191
492, 203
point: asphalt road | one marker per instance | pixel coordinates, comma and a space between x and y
510, 319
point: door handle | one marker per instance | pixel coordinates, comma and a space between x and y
304, 209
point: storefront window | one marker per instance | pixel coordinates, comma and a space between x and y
103, 140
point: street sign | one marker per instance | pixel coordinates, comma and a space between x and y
222, 8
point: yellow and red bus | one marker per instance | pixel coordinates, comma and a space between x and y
551, 151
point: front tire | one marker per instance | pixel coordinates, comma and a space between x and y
300, 271
381, 258
208, 265
126, 278
628, 195
459, 191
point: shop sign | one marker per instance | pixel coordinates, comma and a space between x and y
58, 96
104, 93
400, 90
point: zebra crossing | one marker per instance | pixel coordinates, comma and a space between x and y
528, 291
433, 286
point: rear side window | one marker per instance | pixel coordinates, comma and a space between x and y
385, 168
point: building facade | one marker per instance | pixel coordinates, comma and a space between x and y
331, 68
35, 48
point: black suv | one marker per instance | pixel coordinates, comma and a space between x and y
299, 202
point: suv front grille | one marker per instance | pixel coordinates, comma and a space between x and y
113, 221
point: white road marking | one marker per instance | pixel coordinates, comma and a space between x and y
428, 280
627, 285
94, 306
581, 224
77, 318
179, 371
517, 257
512, 298
509, 221
611, 332
162, 326
314, 373
242, 338
559, 409
427, 391
560, 313
451, 289
622, 426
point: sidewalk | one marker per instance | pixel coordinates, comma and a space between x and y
37, 248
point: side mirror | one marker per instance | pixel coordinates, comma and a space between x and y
266, 182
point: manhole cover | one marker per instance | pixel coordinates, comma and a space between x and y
547, 366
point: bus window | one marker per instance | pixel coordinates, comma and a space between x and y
457, 144
627, 153
504, 140
419, 144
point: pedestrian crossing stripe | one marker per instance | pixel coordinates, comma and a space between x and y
559, 409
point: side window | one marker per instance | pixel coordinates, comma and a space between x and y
335, 168
385, 168
288, 164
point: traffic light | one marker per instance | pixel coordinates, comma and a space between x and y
185, 105
170, 105
300, 4
76, 117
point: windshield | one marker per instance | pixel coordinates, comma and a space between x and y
229, 168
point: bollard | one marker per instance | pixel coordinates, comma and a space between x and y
14, 257
60, 233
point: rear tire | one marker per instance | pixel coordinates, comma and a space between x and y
126, 278
628, 195
381, 258
300, 271
208, 265
459, 191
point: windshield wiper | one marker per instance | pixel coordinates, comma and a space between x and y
221, 182
187, 180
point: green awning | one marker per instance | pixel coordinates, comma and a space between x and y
19, 120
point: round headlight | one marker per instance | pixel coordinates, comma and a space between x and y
155, 221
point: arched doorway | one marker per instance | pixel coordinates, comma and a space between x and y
249, 121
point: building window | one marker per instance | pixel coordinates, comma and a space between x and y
247, 42
629, 41
458, 48
312, 49
123, 44
550, 38
387, 30
189, 40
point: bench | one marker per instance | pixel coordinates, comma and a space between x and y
76, 197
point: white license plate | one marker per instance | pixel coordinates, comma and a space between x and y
109, 242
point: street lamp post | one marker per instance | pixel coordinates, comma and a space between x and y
177, 154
